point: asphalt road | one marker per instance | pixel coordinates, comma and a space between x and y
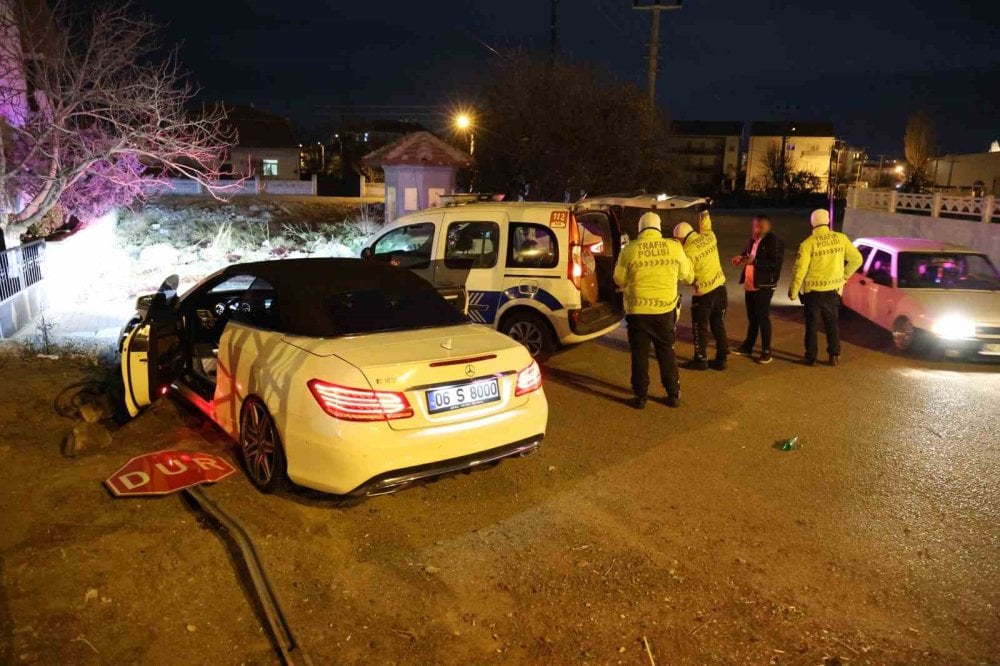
877, 540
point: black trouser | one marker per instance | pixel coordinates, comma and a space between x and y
822, 306
708, 311
759, 318
658, 330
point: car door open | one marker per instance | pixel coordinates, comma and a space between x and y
152, 353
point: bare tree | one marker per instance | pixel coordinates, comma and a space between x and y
918, 145
88, 115
778, 167
551, 127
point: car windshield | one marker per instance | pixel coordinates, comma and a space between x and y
399, 308
941, 270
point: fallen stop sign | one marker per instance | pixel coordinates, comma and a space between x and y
165, 472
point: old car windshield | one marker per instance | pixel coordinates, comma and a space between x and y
939, 270
400, 308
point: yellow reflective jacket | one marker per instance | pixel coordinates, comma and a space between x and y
824, 262
702, 248
648, 269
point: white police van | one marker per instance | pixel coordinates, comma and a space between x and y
541, 273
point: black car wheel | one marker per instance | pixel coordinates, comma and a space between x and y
263, 455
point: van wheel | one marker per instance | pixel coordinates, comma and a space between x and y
260, 446
531, 331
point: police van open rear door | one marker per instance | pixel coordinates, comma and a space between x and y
152, 353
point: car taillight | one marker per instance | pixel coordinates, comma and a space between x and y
353, 404
574, 271
529, 379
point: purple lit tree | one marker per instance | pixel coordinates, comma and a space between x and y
89, 118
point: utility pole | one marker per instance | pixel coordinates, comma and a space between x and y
654, 44
553, 29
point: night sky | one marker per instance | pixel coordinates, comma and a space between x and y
862, 64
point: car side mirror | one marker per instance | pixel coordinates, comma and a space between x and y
366, 253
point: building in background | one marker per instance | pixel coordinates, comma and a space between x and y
419, 169
706, 154
265, 145
975, 173
809, 146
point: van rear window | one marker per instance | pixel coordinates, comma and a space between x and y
532, 246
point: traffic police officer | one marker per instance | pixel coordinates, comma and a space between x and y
824, 262
708, 305
648, 270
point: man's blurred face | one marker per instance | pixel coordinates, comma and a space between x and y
761, 226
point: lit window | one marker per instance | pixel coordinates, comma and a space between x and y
270, 168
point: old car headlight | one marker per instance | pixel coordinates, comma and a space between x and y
953, 327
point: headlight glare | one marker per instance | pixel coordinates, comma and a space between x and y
954, 327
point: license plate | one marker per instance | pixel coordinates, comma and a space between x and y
447, 398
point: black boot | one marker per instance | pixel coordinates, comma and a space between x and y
696, 364
637, 402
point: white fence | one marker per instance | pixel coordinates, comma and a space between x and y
251, 186
983, 209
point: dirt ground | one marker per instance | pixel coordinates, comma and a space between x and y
676, 531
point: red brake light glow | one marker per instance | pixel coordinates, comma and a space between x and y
352, 404
574, 271
529, 379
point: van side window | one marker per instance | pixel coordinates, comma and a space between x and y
881, 269
532, 246
472, 245
408, 247
865, 250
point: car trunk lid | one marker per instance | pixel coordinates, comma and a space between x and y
420, 363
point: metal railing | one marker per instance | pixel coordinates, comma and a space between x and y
21, 267
983, 209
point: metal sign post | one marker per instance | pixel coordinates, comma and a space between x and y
167, 472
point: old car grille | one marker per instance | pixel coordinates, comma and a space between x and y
990, 331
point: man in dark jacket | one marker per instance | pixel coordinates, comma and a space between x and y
761, 261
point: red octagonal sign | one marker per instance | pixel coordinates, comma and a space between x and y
165, 472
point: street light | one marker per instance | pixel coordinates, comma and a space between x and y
463, 123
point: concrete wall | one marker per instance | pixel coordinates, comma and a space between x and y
972, 234
19, 310
185, 186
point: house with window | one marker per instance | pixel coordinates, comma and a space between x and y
419, 169
266, 146
809, 146
706, 154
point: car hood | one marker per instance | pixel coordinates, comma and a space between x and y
981, 306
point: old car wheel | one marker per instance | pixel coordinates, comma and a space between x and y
532, 332
904, 335
263, 456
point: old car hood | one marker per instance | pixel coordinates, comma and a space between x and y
981, 306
